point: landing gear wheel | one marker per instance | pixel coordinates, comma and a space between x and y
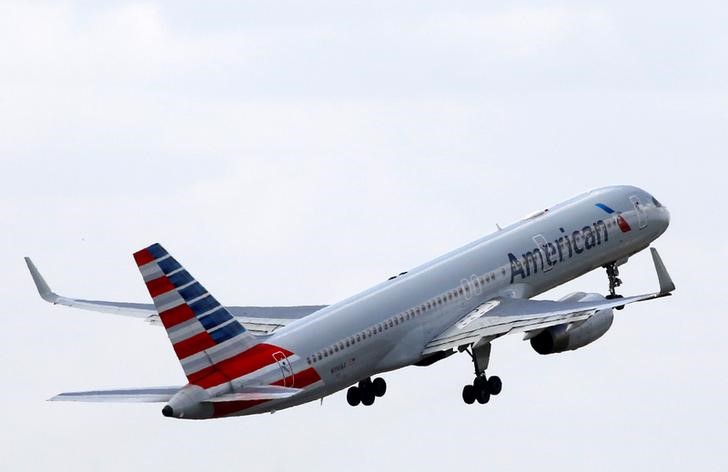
495, 385
469, 394
379, 386
352, 396
367, 397
480, 382
482, 395
612, 297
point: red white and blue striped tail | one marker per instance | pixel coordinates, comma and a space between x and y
203, 332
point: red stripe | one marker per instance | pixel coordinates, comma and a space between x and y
176, 315
193, 345
143, 257
225, 408
195, 377
159, 286
301, 379
257, 357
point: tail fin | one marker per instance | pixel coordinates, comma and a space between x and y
203, 332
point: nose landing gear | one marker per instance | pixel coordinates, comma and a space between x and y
614, 282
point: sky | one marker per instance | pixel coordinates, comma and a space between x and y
299, 152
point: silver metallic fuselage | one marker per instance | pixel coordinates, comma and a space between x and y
324, 333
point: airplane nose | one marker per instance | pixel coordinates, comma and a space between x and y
168, 411
662, 218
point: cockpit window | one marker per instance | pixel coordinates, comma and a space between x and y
656, 202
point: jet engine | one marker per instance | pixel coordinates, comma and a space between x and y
571, 336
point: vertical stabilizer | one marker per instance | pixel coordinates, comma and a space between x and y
203, 333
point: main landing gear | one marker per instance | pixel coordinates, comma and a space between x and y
366, 392
482, 387
614, 282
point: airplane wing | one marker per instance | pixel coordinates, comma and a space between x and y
125, 395
501, 316
256, 319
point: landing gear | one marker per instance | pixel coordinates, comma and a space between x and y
482, 387
614, 282
366, 392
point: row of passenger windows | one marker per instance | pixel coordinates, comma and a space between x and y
477, 283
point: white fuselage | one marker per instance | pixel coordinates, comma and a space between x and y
388, 326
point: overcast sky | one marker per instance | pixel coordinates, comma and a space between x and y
298, 152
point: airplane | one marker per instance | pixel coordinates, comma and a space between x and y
249, 360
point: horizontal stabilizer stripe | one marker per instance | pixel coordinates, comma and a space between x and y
176, 315
159, 286
143, 257
193, 345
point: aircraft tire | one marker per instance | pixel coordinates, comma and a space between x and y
367, 397
482, 395
469, 394
379, 386
352, 396
495, 385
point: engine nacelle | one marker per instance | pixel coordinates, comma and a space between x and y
571, 336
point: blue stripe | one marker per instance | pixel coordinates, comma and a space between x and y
215, 318
604, 207
193, 291
226, 332
157, 250
168, 265
206, 304
180, 278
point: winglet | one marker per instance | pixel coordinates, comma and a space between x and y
44, 290
666, 283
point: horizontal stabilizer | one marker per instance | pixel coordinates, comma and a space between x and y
267, 392
125, 395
